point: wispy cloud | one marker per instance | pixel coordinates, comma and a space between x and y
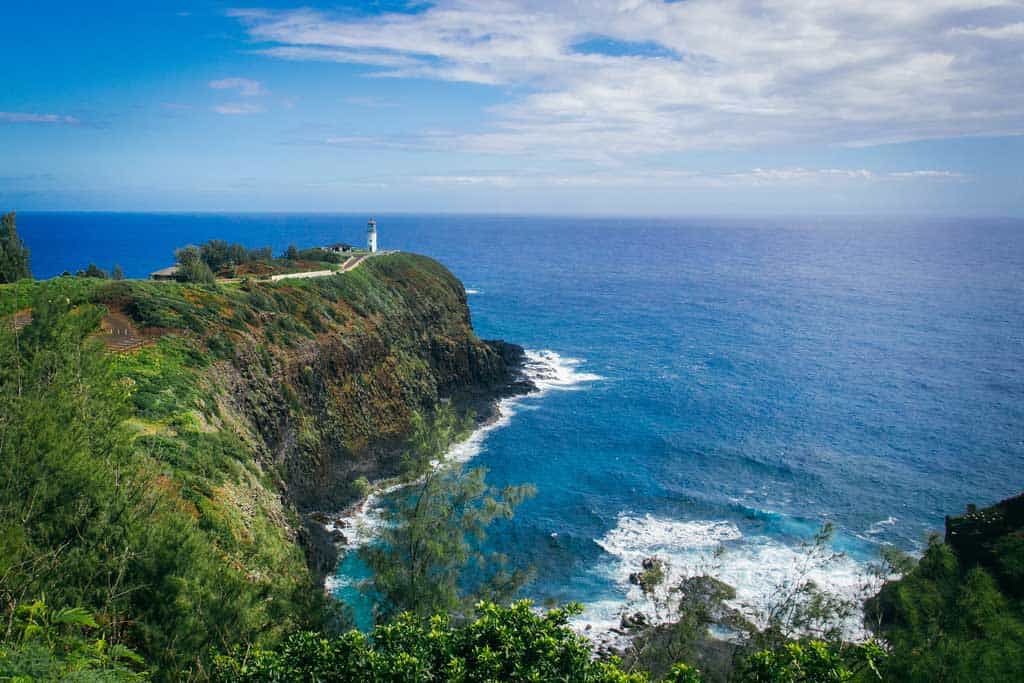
669, 178
744, 74
243, 86
29, 117
939, 175
1006, 31
238, 108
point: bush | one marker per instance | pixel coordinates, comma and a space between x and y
501, 644
48, 644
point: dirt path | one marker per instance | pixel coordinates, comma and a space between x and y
118, 333
351, 263
302, 276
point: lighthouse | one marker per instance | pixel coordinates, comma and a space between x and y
371, 236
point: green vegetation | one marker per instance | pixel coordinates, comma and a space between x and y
14, 264
323, 255
433, 535
813, 661
958, 614
500, 644
192, 267
46, 644
93, 518
161, 490
219, 259
152, 506
219, 256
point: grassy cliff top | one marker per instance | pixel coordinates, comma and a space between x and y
377, 286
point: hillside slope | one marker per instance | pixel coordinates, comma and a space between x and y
251, 404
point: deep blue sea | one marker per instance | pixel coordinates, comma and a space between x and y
717, 381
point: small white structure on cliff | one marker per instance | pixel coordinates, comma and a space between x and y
371, 236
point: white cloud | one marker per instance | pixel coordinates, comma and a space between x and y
244, 86
1006, 31
748, 75
238, 108
949, 175
668, 178
29, 117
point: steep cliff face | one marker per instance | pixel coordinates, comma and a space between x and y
391, 339
261, 402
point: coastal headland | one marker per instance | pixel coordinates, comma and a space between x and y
254, 404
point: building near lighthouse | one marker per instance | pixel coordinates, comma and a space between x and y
371, 236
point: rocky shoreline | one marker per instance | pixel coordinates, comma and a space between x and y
322, 534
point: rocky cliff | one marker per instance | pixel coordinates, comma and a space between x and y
257, 403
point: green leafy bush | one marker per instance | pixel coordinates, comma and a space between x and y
46, 644
500, 644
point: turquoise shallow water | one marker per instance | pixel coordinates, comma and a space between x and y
734, 381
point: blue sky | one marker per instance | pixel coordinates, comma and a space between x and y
518, 106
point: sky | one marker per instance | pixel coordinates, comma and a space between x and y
625, 107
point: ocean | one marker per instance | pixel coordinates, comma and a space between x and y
705, 382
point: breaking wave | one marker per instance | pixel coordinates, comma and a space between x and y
756, 566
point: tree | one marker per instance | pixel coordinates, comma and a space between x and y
94, 271
192, 267
430, 437
65, 491
948, 621
436, 529
116, 273
798, 607
14, 264
292, 253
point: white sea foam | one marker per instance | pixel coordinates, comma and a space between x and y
880, 526
472, 291
551, 371
755, 566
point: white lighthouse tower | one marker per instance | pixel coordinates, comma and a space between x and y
371, 236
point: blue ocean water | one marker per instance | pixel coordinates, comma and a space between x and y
738, 381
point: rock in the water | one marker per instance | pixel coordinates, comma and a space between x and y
636, 620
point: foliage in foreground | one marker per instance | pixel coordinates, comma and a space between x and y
510, 644
47, 644
501, 644
813, 661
